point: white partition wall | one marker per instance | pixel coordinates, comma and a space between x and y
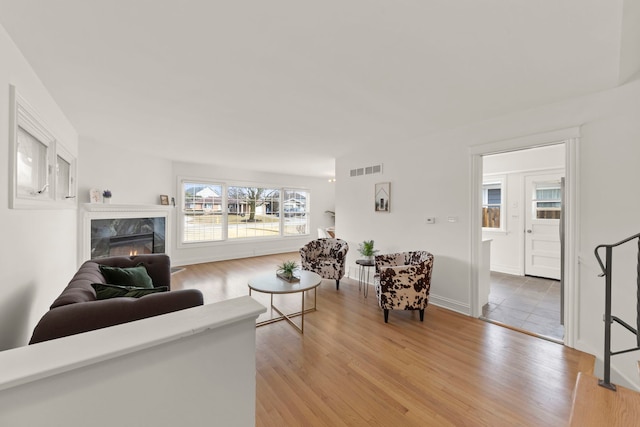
193, 367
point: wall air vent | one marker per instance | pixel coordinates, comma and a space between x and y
369, 170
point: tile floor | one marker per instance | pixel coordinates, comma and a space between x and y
524, 302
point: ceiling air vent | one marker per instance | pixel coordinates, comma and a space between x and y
369, 170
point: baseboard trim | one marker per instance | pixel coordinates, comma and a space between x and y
450, 304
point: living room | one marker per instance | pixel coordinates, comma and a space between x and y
430, 169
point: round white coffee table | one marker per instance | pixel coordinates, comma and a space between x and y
272, 284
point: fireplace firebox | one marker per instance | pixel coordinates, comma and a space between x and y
127, 236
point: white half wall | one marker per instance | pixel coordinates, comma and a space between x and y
38, 254
192, 367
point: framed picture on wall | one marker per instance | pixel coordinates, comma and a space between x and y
164, 199
382, 197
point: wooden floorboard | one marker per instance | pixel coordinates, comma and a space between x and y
351, 369
595, 406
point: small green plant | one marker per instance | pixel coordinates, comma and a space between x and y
366, 248
287, 268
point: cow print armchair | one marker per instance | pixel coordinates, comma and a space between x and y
325, 257
403, 280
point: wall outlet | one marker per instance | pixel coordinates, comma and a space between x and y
431, 220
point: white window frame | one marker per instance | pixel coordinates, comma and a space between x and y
24, 116
70, 197
491, 182
181, 201
307, 211
225, 226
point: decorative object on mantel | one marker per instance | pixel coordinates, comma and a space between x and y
366, 250
106, 196
382, 199
164, 199
94, 195
286, 271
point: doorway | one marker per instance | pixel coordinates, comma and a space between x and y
521, 216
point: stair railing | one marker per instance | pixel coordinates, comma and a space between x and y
608, 318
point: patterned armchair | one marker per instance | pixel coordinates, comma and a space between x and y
403, 280
326, 257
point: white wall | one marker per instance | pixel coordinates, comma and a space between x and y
432, 179
507, 246
322, 199
424, 183
140, 178
38, 254
133, 177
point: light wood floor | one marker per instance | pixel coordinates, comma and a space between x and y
350, 368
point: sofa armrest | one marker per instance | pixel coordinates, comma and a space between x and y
76, 318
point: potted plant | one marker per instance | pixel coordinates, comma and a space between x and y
286, 269
106, 196
366, 250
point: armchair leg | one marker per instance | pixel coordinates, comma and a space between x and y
422, 314
337, 284
386, 315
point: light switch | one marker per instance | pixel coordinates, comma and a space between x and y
431, 220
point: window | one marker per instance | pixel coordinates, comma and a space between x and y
31, 164
42, 170
65, 184
295, 207
202, 212
253, 212
215, 212
547, 201
492, 204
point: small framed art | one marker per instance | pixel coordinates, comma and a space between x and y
382, 197
164, 199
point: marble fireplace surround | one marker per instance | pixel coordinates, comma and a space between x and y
92, 211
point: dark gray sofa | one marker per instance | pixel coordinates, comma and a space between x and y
77, 310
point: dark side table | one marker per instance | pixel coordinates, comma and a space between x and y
364, 267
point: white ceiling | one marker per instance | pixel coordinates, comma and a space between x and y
257, 83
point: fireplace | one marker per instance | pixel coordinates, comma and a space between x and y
123, 230
127, 236
133, 244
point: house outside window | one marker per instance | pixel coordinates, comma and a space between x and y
202, 212
493, 203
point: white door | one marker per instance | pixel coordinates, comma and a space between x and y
542, 225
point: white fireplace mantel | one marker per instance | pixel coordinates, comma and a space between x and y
91, 211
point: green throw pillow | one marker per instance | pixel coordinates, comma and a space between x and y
131, 276
106, 291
